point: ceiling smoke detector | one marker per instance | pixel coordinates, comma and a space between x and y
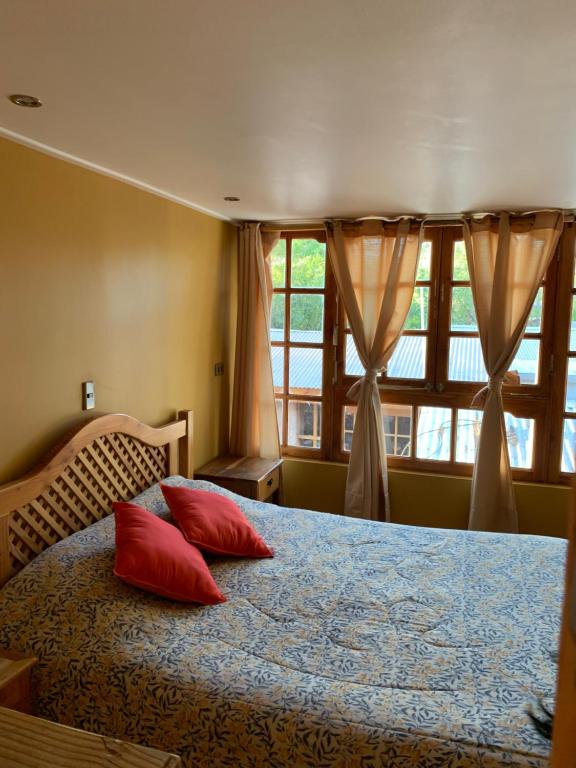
22, 100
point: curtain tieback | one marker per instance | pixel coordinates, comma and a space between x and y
370, 377
494, 385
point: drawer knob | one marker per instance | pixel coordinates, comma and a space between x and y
269, 482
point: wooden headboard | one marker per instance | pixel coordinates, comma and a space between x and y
109, 458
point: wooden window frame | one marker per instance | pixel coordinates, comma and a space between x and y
566, 262
542, 402
286, 396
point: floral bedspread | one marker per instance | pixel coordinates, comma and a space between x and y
359, 645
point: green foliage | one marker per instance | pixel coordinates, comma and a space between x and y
277, 315
417, 319
308, 264
460, 263
306, 312
308, 271
278, 259
463, 312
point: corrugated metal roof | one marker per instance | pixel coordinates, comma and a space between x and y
305, 363
408, 362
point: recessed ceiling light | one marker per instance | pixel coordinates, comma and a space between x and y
232, 199
21, 100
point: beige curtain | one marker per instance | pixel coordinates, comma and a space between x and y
507, 262
375, 268
254, 429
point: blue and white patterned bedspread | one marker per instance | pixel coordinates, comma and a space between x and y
359, 645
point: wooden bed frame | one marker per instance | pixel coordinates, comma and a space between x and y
109, 458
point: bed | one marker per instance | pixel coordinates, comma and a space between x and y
360, 644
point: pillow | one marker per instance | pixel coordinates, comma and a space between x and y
213, 522
153, 555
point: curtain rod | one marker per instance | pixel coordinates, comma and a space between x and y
432, 219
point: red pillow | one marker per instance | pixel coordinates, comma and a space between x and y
153, 555
213, 522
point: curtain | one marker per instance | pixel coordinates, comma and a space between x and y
375, 268
254, 428
507, 262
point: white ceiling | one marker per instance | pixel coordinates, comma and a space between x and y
305, 108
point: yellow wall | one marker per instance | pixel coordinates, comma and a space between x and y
424, 499
99, 280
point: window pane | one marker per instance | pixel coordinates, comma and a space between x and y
463, 314
279, 416
569, 446
571, 386
349, 415
417, 318
397, 424
459, 262
534, 324
424, 261
305, 371
353, 366
308, 264
573, 326
408, 360
304, 424
520, 439
306, 317
519, 436
277, 317
524, 368
433, 433
278, 257
465, 361
278, 368
467, 435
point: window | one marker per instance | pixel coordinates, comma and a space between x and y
408, 360
562, 458
465, 361
297, 335
428, 418
397, 425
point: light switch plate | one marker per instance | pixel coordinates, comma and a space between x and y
88, 396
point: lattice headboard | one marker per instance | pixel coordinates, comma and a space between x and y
109, 458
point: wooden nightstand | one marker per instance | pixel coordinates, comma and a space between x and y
259, 479
15, 680
29, 742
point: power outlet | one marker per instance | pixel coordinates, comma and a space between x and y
219, 369
88, 396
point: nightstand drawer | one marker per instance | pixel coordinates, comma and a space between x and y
268, 485
15, 681
16, 695
255, 478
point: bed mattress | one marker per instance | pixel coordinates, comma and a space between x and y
360, 644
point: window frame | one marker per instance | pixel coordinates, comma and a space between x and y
566, 269
542, 402
328, 292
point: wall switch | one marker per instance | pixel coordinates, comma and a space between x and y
219, 369
88, 396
